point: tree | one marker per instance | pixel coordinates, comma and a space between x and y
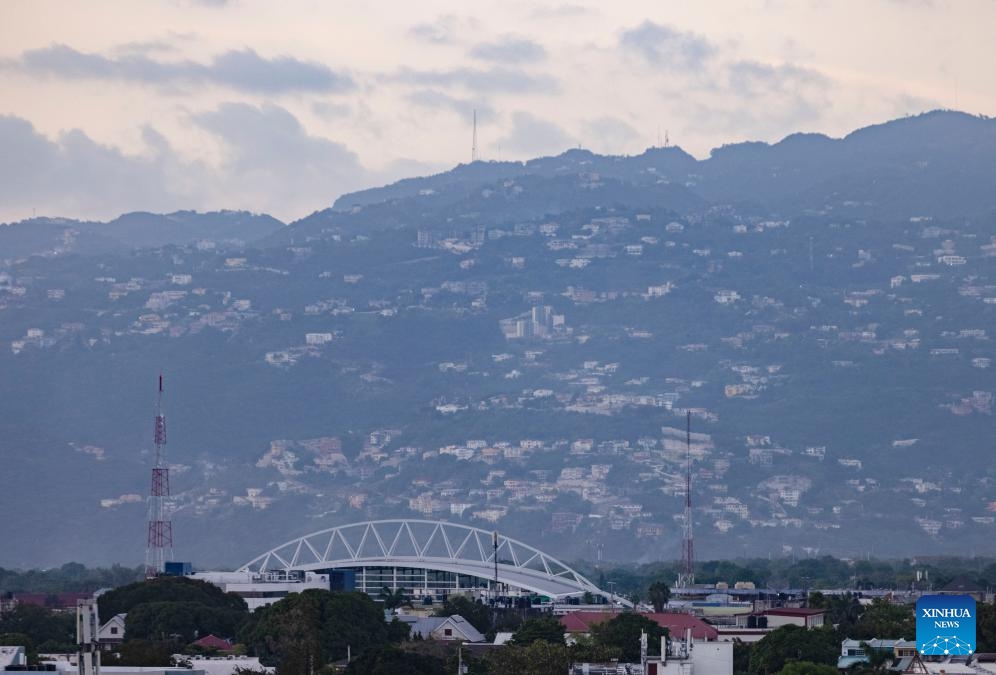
741, 657
141, 653
538, 658
186, 621
807, 668
878, 659
842, 610
42, 625
544, 628
21, 640
883, 619
985, 623
622, 633
791, 643
394, 599
166, 589
311, 628
390, 660
659, 594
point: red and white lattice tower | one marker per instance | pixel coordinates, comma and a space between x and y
160, 543
686, 577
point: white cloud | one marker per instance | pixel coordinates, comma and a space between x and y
531, 136
241, 69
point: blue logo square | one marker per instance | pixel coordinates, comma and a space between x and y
945, 625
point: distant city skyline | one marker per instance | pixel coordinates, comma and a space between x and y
113, 106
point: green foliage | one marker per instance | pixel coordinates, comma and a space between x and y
141, 653
186, 621
807, 668
166, 589
538, 658
21, 640
883, 619
658, 594
622, 634
985, 627
842, 610
794, 643
389, 660
42, 625
314, 627
395, 599
545, 628
741, 657
476, 613
69, 578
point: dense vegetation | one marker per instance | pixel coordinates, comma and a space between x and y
784, 573
313, 628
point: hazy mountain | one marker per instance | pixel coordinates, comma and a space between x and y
139, 229
939, 161
516, 346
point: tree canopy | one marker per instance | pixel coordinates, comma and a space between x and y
166, 589
622, 633
794, 643
546, 628
314, 627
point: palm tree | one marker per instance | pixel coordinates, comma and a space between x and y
658, 594
394, 599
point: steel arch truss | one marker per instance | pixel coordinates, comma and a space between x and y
429, 544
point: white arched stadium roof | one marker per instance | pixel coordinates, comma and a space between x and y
428, 544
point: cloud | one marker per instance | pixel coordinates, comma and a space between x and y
532, 136
509, 50
244, 70
661, 45
752, 78
271, 155
271, 163
446, 29
76, 176
434, 99
567, 11
609, 133
498, 79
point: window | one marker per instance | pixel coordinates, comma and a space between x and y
114, 630
448, 632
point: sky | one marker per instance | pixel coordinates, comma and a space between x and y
109, 106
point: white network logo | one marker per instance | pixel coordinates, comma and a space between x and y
942, 645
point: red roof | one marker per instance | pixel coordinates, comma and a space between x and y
213, 642
676, 623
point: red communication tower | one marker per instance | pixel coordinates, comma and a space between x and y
160, 542
686, 577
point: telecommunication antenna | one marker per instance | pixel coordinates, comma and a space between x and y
160, 542
687, 576
473, 143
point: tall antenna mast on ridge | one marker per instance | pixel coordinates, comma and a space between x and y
687, 576
160, 542
473, 143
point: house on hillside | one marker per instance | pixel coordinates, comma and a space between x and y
112, 632
446, 628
